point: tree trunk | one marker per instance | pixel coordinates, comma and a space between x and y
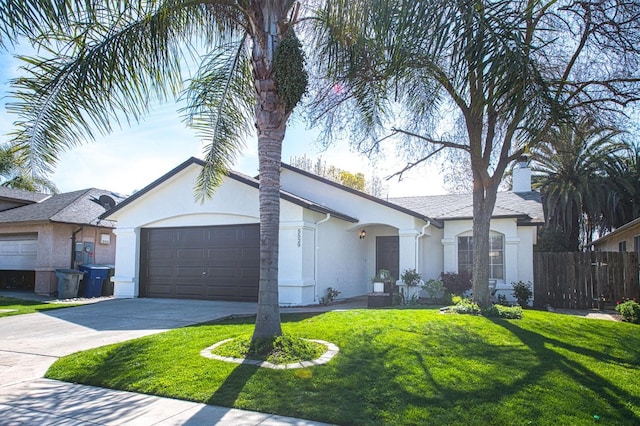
271, 119
271, 126
484, 200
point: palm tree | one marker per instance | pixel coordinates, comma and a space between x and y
622, 201
570, 170
102, 63
14, 175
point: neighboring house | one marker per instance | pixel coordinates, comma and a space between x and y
625, 238
170, 245
40, 233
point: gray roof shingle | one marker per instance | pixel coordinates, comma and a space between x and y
526, 206
20, 195
78, 207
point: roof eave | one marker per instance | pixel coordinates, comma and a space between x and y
435, 222
152, 185
230, 174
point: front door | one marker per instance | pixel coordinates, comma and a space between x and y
388, 255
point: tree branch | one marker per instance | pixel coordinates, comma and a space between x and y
410, 165
444, 144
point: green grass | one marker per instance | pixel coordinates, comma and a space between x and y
397, 367
284, 349
20, 306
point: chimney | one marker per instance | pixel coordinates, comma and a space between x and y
522, 175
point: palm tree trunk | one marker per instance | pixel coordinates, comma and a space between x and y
271, 126
267, 27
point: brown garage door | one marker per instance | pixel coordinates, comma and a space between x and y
214, 262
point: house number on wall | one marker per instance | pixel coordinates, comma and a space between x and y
299, 237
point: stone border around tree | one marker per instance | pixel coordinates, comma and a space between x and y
332, 350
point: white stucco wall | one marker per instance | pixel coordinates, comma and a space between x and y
366, 211
424, 253
317, 251
431, 261
343, 259
172, 205
518, 249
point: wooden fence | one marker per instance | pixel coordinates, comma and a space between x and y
577, 280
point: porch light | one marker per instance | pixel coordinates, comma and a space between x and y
363, 234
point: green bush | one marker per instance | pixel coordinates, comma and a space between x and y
522, 292
630, 311
410, 277
500, 311
433, 288
466, 306
456, 283
329, 296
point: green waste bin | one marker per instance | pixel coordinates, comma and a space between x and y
68, 282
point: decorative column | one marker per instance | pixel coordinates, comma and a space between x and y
296, 283
450, 259
407, 243
511, 273
126, 280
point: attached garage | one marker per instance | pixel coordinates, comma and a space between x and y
18, 258
18, 252
201, 262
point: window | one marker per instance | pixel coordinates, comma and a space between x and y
636, 243
496, 255
622, 246
465, 254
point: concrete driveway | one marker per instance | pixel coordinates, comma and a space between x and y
29, 344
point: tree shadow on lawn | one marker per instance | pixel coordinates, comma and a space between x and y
463, 379
550, 360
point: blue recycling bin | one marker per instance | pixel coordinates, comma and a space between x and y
94, 276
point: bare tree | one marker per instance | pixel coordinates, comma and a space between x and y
506, 70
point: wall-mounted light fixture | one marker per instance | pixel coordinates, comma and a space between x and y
363, 234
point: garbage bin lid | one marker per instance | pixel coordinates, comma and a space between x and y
92, 266
69, 271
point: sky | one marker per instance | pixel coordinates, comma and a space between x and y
132, 157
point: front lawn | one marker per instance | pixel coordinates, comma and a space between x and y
397, 367
12, 306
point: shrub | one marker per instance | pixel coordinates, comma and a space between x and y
630, 311
466, 306
330, 295
433, 288
456, 283
522, 292
410, 277
500, 311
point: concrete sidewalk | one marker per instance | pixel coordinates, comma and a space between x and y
29, 344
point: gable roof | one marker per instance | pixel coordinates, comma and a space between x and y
295, 199
616, 231
77, 207
524, 206
391, 204
21, 195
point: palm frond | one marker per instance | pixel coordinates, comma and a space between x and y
105, 72
220, 106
